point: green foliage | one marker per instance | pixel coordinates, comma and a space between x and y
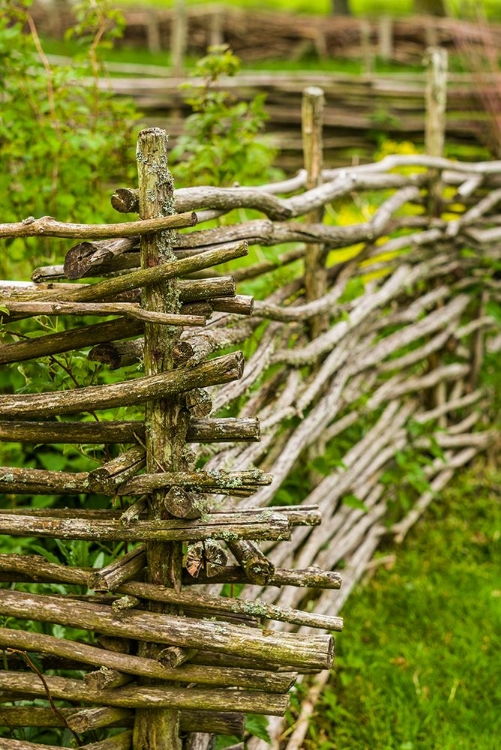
221, 141
63, 138
421, 653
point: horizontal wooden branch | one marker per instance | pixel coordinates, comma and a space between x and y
37, 568
137, 391
107, 477
148, 696
121, 570
227, 604
286, 649
206, 481
223, 430
46, 226
89, 258
142, 667
88, 719
133, 280
314, 578
127, 309
256, 566
66, 341
263, 525
72, 432
122, 741
240, 304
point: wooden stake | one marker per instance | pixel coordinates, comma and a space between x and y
165, 421
315, 274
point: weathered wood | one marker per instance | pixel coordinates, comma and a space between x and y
72, 432
256, 566
87, 719
123, 603
198, 480
118, 353
280, 648
25, 481
183, 504
198, 402
107, 477
148, 696
120, 741
222, 430
174, 656
137, 391
127, 309
314, 578
209, 556
46, 226
105, 679
121, 570
240, 304
219, 675
228, 604
37, 568
263, 526
160, 273
194, 290
66, 341
315, 275
84, 720
90, 257
125, 200
134, 511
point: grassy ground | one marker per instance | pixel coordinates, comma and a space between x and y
419, 662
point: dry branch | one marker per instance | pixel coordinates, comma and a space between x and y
283, 649
222, 369
49, 227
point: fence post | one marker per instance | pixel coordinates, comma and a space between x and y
436, 99
386, 38
165, 423
315, 272
179, 38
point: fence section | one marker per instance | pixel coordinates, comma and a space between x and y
388, 369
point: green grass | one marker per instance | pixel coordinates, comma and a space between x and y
419, 662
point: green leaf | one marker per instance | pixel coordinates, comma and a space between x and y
52, 461
353, 502
258, 726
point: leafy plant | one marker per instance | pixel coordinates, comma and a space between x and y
63, 138
221, 141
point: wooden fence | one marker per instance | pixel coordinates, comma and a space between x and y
359, 110
261, 35
366, 341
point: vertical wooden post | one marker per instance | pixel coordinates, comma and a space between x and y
165, 421
153, 33
386, 38
179, 37
315, 273
366, 44
216, 32
436, 100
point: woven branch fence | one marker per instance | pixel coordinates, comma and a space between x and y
262, 34
365, 344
